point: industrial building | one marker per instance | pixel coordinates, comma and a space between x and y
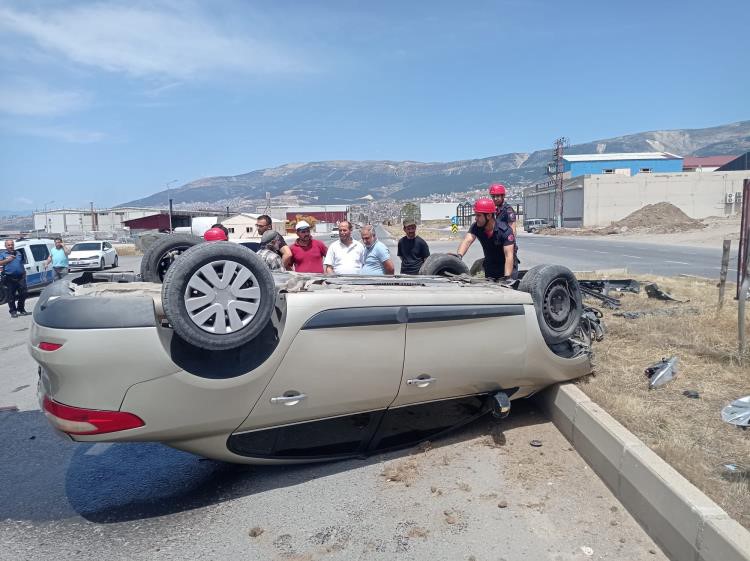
592, 201
437, 211
66, 221
241, 226
705, 163
576, 165
326, 216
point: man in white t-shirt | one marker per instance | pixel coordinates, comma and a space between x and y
344, 256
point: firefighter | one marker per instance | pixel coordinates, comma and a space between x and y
505, 212
497, 239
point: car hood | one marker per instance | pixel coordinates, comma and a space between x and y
84, 254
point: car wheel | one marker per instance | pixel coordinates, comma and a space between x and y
477, 267
442, 263
159, 257
114, 263
557, 301
218, 296
101, 264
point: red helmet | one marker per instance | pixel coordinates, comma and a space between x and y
497, 189
485, 206
215, 235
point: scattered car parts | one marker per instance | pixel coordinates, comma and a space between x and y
661, 372
653, 291
675, 311
737, 413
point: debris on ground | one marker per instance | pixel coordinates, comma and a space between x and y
692, 394
653, 291
404, 471
674, 311
536, 443
661, 372
737, 413
255, 532
604, 286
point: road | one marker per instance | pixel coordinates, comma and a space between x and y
483, 493
583, 254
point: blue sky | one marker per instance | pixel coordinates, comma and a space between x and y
109, 101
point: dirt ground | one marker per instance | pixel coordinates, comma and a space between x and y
428, 232
687, 433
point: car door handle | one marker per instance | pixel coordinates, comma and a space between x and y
422, 381
288, 399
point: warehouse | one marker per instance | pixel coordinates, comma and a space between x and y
437, 211
593, 201
621, 164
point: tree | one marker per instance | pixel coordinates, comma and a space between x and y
410, 211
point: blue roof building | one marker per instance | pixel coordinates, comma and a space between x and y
622, 163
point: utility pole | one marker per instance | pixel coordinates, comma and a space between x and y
556, 170
46, 221
169, 197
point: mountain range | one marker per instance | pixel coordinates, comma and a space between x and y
343, 181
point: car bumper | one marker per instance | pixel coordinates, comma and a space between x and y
81, 266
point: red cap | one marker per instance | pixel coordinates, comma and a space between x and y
497, 189
485, 206
215, 235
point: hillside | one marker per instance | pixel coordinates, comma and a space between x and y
334, 182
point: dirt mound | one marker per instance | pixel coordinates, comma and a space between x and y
658, 218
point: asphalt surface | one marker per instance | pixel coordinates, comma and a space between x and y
484, 493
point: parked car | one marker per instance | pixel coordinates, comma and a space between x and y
92, 255
535, 224
230, 361
35, 253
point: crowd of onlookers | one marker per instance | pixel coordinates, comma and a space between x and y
345, 256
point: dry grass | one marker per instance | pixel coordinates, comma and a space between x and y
126, 249
687, 433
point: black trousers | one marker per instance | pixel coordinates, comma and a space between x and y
16, 287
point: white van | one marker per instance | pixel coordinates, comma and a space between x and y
35, 252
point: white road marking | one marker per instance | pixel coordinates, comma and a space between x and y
632, 256
98, 449
595, 251
677, 262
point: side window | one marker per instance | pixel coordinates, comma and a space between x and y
39, 251
107, 245
24, 254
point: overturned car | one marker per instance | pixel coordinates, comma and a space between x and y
227, 360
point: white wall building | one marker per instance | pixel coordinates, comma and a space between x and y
79, 221
594, 201
243, 225
437, 211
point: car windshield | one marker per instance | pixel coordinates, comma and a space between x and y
90, 246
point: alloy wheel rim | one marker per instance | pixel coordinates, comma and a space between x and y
222, 297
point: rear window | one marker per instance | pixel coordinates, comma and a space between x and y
90, 246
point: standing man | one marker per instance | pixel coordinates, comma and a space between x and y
376, 259
307, 253
265, 224
14, 278
344, 256
58, 256
412, 249
505, 212
497, 239
269, 251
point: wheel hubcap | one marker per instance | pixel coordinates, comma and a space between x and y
557, 306
222, 297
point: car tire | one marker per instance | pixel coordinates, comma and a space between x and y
159, 257
477, 267
101, 264
199, 303
115, 262
557, 301
442, 263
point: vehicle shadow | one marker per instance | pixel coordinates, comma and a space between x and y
53, 479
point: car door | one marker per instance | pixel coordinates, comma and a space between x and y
455, 355
36, 273
330, 391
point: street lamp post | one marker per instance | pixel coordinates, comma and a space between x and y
46, 221
169, 202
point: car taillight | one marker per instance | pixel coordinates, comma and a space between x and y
76, 420
49, 346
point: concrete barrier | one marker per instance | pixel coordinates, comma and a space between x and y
685, 523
